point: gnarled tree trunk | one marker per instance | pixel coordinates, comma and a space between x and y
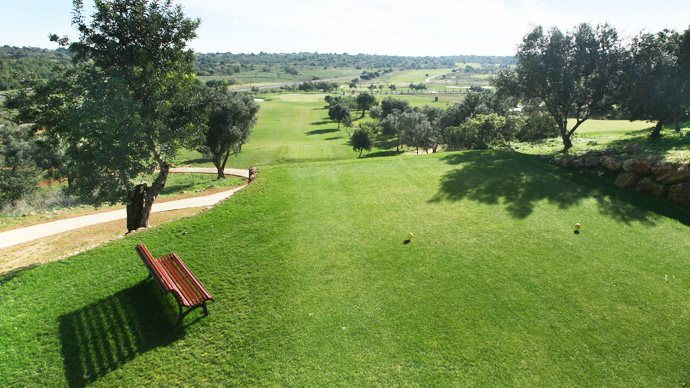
657, 130
141, 200
219, 160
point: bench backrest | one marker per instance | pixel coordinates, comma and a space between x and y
155, 268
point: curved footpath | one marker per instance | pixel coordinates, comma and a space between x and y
22, 235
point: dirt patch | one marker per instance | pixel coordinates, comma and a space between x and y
69, 243
84, 210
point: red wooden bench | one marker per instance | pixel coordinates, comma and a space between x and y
173, 275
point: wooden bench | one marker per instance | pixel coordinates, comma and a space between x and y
173, 275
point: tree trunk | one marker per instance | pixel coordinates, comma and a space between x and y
567, 144
141, 200
676, 121
656, 133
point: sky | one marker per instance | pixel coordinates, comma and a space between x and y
385, 27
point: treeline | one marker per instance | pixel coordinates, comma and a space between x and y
229, 63
17, 63
590, 72
482, 120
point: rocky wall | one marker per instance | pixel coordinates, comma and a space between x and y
664, 180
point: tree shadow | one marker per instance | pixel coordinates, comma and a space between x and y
322, 131
661, 147
322, 122
197, 161
520, 182
103, 336
334, 138
385, 144
381, 154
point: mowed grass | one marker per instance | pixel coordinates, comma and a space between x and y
315, 286
592, 128
291, 128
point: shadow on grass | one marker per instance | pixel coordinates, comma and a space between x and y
385, 144
334, 138
322, 122
520, 182
101, 337
178, 188
197, 161
380, 154
322, 131
663, 146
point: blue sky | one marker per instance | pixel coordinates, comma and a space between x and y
392, 27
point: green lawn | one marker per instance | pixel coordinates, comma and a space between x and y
315, 286
629, 139
292, 128
592, 128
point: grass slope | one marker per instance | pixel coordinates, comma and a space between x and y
316, 287
291, 128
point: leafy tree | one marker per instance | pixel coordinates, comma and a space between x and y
361, 140
19, 173
340, 113
389, 126
127, 103
392, 87
415, 130
365, 101
537, 126
573, 74
375, 113
486, 130
229, 125
433, 115
475, 103
458, 138
390, 104
654, 85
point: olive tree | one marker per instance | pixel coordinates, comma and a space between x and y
654, 84
230, 121
574, 74
361, 140
126, 104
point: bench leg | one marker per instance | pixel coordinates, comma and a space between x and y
181, 314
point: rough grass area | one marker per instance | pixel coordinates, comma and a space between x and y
315, 286
620, 137
50, 204
69, 243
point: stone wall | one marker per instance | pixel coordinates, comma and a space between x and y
664, 180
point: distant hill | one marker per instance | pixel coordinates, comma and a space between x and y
228, 63
17, 62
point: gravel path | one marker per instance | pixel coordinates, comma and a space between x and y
18, 236
212, 170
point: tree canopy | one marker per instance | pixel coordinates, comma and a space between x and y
230, 121
655, 78
125, 105
572, 74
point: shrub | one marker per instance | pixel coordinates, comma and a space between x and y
538, 126
362, 140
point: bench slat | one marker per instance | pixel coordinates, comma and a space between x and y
172, 274
189, 295
154, 268
205, 294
